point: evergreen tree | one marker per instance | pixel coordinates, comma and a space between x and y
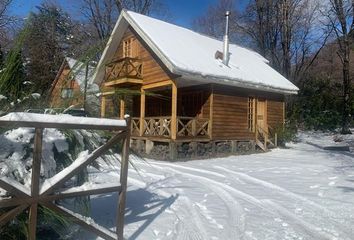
48, 41
1, 58
13, 76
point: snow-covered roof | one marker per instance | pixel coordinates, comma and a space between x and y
79, 73
25, 119
192, 55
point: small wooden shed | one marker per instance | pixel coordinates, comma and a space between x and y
187, 93
69, 85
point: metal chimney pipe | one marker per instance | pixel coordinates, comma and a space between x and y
225, 59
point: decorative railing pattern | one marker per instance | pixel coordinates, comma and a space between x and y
157, 126
135, 126
161, 126
124, 68
192, 127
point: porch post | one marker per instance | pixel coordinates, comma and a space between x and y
142, 112
103, 106
211, 111
174, 112
121, 108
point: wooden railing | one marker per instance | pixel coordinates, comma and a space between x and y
192, 127
161, 126
124, 68
157, 126
265, 138
272, 136
135, 126
51, 190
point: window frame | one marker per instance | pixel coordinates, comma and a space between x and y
251, 113
127, 48
67, 93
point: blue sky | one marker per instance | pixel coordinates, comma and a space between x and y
183, 11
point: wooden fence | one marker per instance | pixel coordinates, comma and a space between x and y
50, 190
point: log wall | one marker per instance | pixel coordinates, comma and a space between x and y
230, 117
230, 109
275, 112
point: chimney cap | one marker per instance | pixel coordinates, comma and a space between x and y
227, 13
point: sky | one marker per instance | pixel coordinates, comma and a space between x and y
182, 11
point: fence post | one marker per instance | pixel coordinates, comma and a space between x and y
123, 181
36, 171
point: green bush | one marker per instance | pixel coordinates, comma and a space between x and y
285, 133
318, 105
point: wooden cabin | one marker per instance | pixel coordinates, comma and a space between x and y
182, 91
69, 85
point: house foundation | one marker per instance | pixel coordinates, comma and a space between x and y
174, 151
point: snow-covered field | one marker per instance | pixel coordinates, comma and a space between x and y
302, 192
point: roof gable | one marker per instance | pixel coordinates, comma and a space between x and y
78, 71
191, 55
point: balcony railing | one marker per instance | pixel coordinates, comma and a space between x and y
187, 127
124, 68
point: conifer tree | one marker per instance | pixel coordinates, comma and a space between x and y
12, 77
48, 41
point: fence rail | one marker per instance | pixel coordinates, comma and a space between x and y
50, 190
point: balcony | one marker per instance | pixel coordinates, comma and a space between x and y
126, 71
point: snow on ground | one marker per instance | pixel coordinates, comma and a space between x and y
326, 139
302, 192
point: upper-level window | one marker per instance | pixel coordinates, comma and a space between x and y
67, 93
251, 113
127, 47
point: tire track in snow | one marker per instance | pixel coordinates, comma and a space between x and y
190, 168
235, 211
312, 230
198, 232
284, 192
280, 190
185, 231
267, 205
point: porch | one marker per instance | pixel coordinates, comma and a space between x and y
160, 110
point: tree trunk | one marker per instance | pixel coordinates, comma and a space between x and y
346, 89
285, 36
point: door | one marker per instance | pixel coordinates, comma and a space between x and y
261, 114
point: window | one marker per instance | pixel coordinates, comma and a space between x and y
127, 48
251, 113
67, 93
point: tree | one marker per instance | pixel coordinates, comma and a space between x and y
341, 18
4, 17
212, 23
13, 76
102, 14
6, 20
1, 58
49, 38
145, 7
